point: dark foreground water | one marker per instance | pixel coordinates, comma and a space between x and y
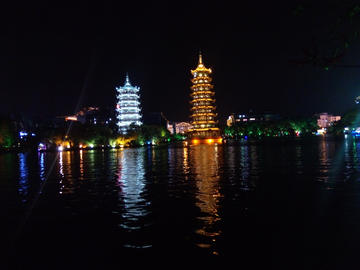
267, 205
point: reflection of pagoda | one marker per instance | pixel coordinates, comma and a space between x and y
203, 107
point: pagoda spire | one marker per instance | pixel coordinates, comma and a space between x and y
127, 81
200, 58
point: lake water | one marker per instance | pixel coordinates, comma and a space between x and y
283, 204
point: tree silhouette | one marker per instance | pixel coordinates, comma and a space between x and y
344, 24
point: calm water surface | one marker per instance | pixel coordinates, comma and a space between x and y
291, 204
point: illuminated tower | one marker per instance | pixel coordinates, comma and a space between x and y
203, 115
128, 106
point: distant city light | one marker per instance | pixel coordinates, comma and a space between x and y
71, 118
22, 134
41, 147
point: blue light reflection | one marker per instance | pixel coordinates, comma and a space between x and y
24, 176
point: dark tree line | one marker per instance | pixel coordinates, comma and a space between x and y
8, 136
74, 134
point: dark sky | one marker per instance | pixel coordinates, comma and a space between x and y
57, 57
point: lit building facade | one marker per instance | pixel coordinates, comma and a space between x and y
128, 106
179, 127
203, 110
243, 118
92, 115
325, 120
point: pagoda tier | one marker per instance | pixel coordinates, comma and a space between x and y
201, 108
204, 122
201, 86
201, 94
203, 115
202, 101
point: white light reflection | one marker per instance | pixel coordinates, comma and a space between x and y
65, 171
42, 166
240, 172
61, 169
131, 180
244, 167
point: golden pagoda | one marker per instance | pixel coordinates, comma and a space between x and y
203, 115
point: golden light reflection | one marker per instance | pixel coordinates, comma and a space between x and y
205, 161
81, 178
324, 159
186, 161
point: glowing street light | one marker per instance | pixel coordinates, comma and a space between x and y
357, 100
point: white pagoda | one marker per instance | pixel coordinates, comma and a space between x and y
128, 106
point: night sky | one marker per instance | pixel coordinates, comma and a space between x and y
58, 57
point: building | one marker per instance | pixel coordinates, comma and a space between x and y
203, 115
325, 120
88, 115
179, 127
128, 106
242, 118
92, 115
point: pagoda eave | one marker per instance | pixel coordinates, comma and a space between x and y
202, 69
204, 85
203, 107
202, 93
204, 122
203, 100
